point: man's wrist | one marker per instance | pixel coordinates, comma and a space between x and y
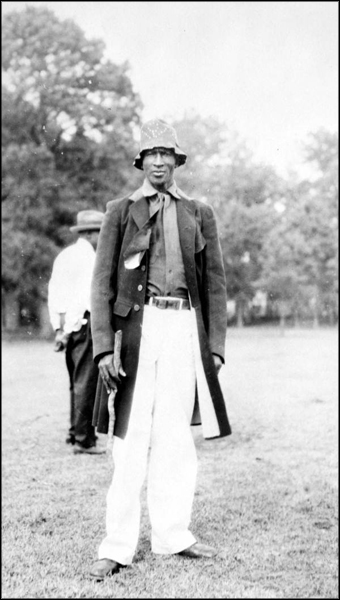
100, 356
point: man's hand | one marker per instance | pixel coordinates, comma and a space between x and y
218, 362
108, 372
61, 339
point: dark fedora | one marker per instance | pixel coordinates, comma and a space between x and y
88, 220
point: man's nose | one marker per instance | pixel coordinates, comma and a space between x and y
158, 159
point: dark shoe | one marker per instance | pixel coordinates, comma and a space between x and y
103, 568
70, 439
198, 551
78, 449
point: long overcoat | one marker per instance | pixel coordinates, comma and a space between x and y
118, 297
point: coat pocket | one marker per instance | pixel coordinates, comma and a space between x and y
121, 308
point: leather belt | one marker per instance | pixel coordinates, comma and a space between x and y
168, 302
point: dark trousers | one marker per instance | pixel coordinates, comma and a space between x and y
83, 374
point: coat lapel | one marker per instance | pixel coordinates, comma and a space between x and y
140, 242
140, 212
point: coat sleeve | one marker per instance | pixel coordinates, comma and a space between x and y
104, 281
215, 284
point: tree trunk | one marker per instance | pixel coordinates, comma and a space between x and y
315, 312
10, 311
282, 324
239, 313
283, 307
45, 327
296, 319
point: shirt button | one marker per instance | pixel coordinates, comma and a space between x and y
136, 307
143, 267
140, 287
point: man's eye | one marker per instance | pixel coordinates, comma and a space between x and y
161, 152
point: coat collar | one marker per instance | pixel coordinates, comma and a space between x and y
147, 190
139, 210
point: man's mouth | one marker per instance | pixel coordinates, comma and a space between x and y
158, 173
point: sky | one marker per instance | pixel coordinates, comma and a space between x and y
268, 70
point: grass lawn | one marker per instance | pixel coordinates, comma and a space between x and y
267, 496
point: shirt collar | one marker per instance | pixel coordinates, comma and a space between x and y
148, 190
83, 242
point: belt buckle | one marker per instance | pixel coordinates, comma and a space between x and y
176, 303
161, 303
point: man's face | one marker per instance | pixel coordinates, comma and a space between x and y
92, 236
159, 165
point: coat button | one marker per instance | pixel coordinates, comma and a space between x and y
140, 287
136, 307
143, 267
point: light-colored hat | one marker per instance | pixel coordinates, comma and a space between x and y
158, 134
88, 220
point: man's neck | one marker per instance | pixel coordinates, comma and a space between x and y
162, 187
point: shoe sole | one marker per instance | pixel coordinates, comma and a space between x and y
96, 578
98, 452
110, 574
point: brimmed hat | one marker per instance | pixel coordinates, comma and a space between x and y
158, 134
88, 220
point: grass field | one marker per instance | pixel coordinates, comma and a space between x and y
267, 496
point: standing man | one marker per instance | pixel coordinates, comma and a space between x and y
69, 308
159, 278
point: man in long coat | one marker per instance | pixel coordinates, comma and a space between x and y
158, 278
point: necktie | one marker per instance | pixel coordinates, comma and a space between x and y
136, 249
160, 201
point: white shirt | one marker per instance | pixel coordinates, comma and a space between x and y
70, 285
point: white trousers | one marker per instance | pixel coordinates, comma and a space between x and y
158, 443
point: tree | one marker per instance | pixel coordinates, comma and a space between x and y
69, 117
244, 230
319, 223
204, 141
221, 169
300, 256
282, 260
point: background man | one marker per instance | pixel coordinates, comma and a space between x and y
159, 278
69, 308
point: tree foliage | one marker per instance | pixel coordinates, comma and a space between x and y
221, 170
300, 256
68, 142
277, 236
67, 139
